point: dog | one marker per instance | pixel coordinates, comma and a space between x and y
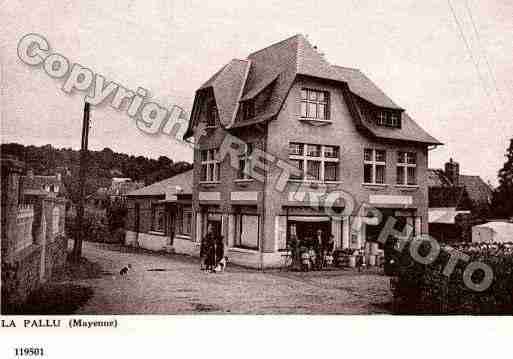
124, 271
221, 265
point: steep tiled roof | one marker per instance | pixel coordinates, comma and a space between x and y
441, 186
227, 85
182, 180
437, 177
478, 190
454, 196
279, 64
362, 86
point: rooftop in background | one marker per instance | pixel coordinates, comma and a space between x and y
446, 185
38, 184
179, 184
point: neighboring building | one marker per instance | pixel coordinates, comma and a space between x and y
122, 186
36, 184
117, 191
332, 123
493, 232
160, 215
453, 199
33, 242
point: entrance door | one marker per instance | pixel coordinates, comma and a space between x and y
216, 227
308, 230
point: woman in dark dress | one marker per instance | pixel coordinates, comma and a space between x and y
210, 249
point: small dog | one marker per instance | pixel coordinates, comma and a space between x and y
125, 269
221, 265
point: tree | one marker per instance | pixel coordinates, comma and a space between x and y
503, 195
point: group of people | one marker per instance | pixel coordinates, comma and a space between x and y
314, 249
212, 251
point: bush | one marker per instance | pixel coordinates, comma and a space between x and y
424, 289
94, 226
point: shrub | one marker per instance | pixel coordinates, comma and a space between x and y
94, 226
425, 289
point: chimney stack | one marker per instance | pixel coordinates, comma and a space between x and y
30, 173
452, 171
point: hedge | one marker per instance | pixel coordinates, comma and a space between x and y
424, 289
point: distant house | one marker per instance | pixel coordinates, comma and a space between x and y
495, 231
117, 191
160, 215
122, 186
453, 199
42, 185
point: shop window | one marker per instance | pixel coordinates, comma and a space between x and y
247, 231
185, 222
158, 219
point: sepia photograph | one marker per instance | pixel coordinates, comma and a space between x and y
176, 158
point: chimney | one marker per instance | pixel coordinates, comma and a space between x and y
59, 177
30, 173
452, 171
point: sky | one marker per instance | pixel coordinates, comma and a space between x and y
449, 63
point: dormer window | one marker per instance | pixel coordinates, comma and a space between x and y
212, 115
248, 109
314, 104
388, 118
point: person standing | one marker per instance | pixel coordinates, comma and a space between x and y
318, 247
209, 248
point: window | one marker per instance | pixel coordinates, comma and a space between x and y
245, 162
247, 231
185, 222
374, 165
406, 168
158, 218
212, 114
209, 166
388, 118
314, 104
315, 162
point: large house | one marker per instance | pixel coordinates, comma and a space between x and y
287, 144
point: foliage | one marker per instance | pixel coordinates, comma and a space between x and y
503, 195
424, 289
116, 214
102, 166
95, 228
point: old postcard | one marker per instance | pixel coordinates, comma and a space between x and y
174, 170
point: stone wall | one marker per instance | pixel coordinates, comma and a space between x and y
25, 268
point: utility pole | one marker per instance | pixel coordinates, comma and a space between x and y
84, 154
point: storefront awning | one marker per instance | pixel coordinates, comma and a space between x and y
309, 218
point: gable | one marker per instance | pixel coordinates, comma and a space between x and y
280, 64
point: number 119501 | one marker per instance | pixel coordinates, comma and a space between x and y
28, 352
